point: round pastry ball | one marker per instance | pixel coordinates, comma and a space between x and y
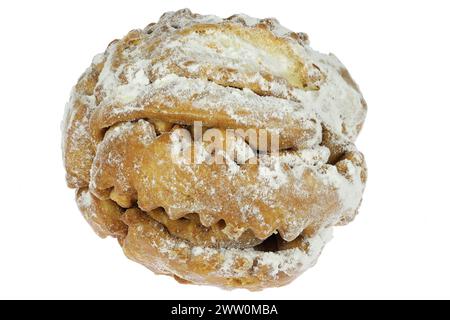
217, 151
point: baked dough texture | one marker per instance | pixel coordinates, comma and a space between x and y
239, 223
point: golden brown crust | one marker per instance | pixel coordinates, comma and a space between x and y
190, 228
104, 216
78, 145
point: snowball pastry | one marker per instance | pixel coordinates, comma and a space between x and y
248, 215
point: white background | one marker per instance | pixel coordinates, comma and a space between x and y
398, 247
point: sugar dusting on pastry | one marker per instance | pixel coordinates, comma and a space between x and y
234, 73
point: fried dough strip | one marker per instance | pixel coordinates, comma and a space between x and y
195, 233
278, 193
254, 57
150, 244
181, 100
